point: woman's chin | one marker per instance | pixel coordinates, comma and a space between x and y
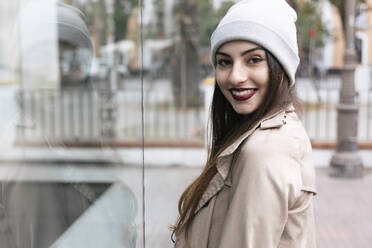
243, 110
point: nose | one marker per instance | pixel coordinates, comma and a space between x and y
238, 74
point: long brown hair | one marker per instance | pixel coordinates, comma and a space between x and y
227, 126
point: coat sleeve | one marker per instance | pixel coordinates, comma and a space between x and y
266, 186
300, 228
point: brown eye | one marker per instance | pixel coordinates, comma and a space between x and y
255, 60
223, 62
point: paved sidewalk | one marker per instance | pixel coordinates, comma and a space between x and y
343, 210
343, 207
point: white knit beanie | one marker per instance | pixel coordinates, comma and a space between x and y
268, 23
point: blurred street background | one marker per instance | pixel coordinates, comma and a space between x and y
106, 102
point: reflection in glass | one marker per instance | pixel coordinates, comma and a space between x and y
64, 183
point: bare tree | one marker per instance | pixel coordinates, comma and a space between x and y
185, 63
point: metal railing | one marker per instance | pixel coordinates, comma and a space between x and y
66, 115
78, 115
320, 98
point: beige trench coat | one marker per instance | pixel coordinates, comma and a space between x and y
262, 195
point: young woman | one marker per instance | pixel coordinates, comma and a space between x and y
257, 187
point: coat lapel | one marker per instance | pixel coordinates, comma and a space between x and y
223, 166
225, 159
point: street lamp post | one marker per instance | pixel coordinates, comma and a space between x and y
346, 161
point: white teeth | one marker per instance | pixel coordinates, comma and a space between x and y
241, 93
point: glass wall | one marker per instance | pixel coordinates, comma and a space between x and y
104, 109
71, 100
103, 118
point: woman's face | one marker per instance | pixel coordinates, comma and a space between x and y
242, 73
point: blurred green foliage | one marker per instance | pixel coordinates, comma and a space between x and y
311, 29
122, 12
209, 18
159, 13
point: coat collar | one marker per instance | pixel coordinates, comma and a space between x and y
275, 120
224, 160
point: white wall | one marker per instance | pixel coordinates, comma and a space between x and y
7, 40
39, 44
327, 51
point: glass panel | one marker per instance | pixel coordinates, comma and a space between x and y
179, 83
71, 105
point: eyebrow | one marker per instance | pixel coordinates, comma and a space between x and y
243, 53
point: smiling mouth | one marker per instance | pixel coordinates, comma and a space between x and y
243, 94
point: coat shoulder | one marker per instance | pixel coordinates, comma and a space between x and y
281, 150
280, 135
